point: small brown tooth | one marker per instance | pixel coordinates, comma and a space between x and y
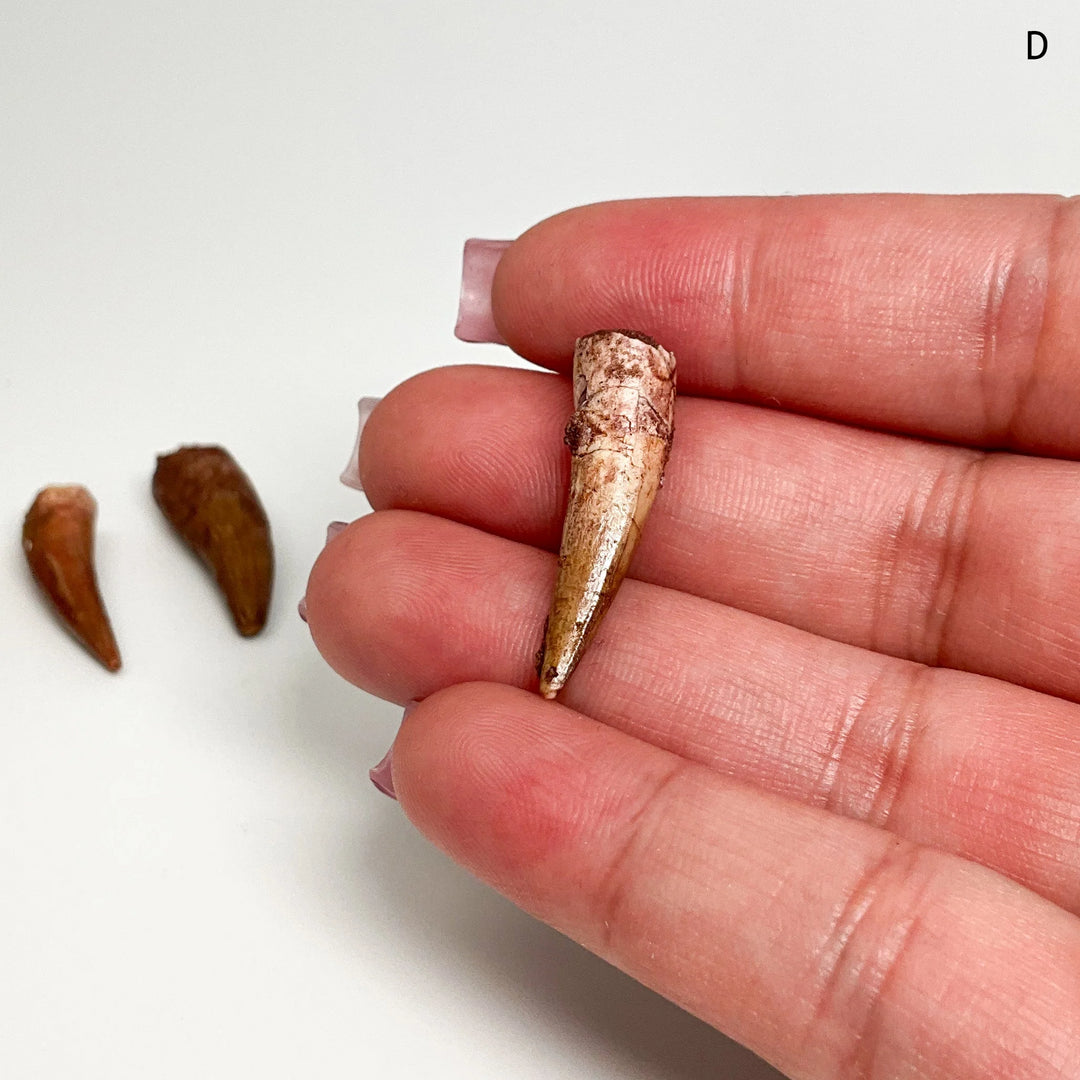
620, 437
211, 503
58, 538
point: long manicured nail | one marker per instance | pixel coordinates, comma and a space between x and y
351, 476
382, 775
475, 321
620, 436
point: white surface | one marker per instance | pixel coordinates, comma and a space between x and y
225, 222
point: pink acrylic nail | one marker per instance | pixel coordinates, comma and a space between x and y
475, 321
351, 475
382, 775
331, 531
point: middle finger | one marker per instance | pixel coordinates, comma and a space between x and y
938, 554
404, 604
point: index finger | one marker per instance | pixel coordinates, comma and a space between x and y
828, 947
955, 317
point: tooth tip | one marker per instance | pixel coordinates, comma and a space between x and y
95, 634
102, 646
549, 688
249, 627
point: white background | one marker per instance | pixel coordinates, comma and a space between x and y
224, 222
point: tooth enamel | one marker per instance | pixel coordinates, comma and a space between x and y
212, 505
620, 437
58, 538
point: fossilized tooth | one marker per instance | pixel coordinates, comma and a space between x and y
211, 503
58, 538
620, 437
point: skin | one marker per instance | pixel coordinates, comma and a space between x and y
818, 777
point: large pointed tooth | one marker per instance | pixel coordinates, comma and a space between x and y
620, 437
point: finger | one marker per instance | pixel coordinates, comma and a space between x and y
944, 316
933, 553
828, 947
404, 605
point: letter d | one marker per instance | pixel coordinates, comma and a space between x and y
1032, 35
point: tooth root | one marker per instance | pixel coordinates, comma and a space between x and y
212, 504
58, 539
620, 437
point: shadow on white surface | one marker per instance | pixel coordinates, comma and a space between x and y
561, 986
444, 929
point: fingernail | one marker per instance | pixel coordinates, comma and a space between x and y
351, 476
382, 775
475, 321
331, 531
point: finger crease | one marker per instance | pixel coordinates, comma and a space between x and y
840, 755
1028, 377
867, 764
1001, 276
739, 279
921, 563
617, 884
940, 607
875, 930
898, 746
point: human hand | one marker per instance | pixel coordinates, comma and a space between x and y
818, 777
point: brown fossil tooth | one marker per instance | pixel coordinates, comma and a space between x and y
211, 503
620, 437
58, 538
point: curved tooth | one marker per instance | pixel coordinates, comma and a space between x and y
210, 502
620, 437
58, 538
